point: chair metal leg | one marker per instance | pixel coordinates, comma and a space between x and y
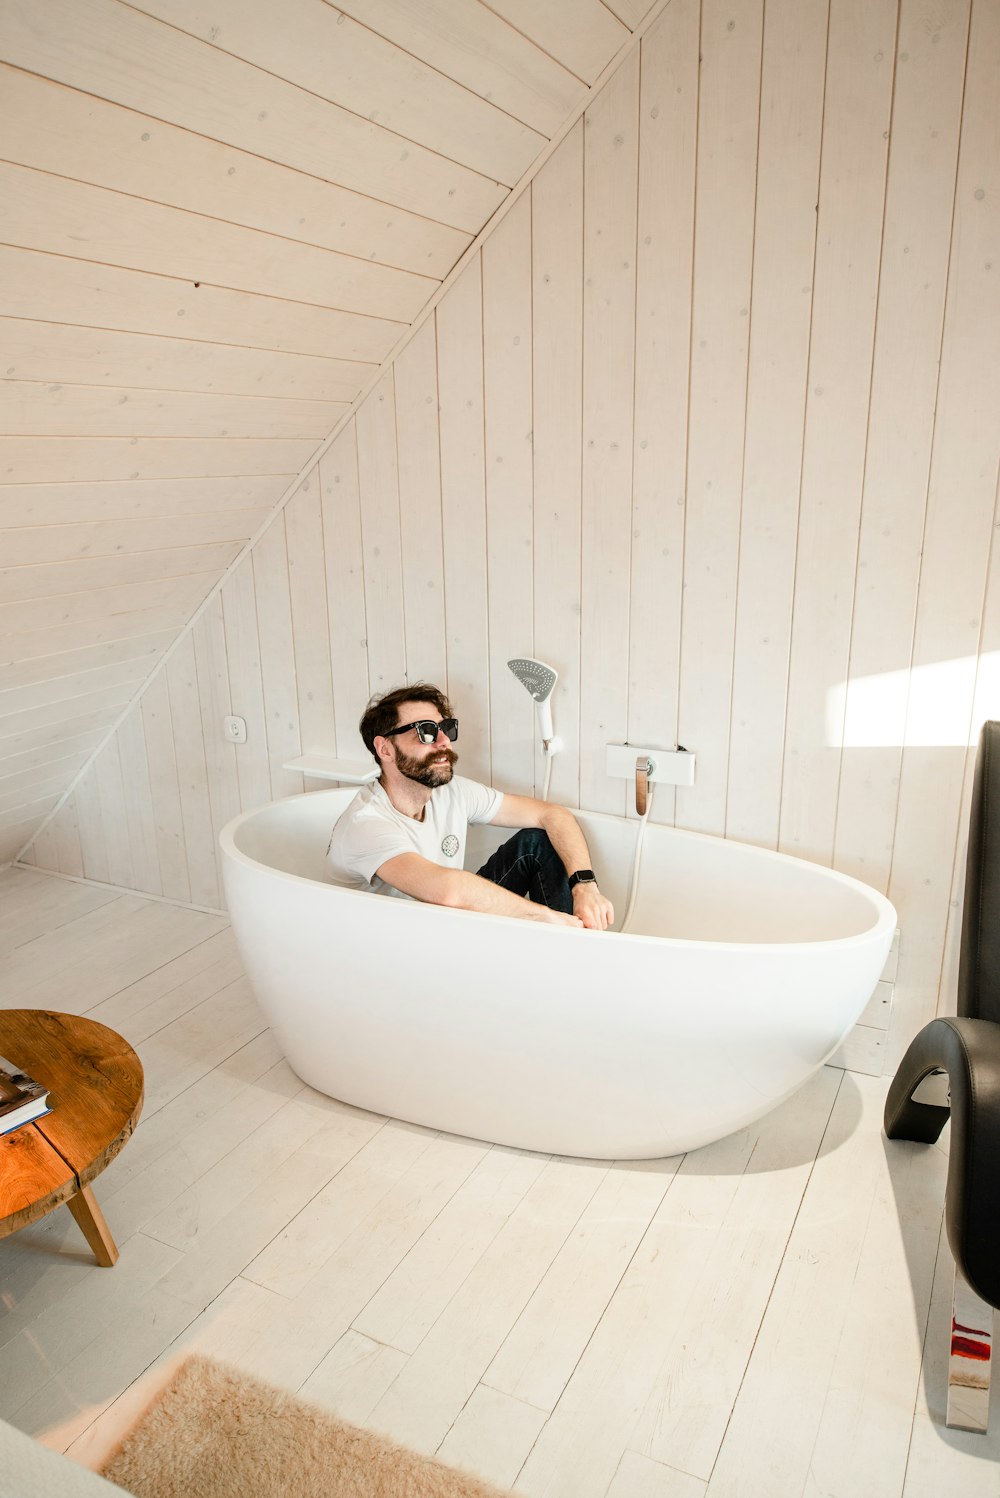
970, 1361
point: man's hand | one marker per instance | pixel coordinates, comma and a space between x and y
595, 912
552, 917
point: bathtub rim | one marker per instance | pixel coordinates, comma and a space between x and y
887, 920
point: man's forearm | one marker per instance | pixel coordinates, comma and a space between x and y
465, 891
566, 837
460, 890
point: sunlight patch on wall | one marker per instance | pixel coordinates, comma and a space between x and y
941, 705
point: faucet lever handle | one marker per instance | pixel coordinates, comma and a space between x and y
644, 768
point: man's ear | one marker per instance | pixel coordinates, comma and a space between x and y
383, 748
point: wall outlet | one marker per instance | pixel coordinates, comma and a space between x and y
235, 730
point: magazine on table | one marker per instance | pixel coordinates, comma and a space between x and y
22, 1099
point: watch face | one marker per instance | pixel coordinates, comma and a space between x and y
583, 876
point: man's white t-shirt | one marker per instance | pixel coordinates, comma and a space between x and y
371, 831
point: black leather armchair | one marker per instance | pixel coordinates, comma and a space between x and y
966, 1050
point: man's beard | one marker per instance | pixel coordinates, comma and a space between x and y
422, 772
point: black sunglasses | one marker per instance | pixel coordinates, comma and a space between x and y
427, 729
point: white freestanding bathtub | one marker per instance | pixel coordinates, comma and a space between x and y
746, 971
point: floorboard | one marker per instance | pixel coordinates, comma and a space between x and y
766, 1316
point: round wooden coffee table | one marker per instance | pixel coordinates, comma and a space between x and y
94, 1080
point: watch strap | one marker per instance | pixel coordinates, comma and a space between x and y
582, 876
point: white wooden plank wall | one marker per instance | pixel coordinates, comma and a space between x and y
272, 590
509, 510
307, 589
216, 224
578, 32
418, 453
345, 589
852, 189
961, 515
665, 232
728, 109
378, 485
748, 489
791, 122
463, 512
246, 693
610, 184
557, 443
915, 250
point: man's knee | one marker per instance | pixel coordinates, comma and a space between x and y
530, 842
523, 859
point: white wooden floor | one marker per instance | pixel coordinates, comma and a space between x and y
766, 1316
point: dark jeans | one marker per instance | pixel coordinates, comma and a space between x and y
527, 864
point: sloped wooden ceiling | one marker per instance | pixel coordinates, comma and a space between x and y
218, 218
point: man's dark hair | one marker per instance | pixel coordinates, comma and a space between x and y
380, 714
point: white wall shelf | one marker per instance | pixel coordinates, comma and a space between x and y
328, 767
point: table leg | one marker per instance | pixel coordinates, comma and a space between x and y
969, 1365
90, 1221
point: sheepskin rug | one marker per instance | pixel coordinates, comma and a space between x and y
215, 1432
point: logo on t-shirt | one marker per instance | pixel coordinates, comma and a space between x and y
449, 845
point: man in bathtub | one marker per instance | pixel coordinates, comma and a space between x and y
405, 833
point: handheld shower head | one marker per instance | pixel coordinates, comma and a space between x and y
537, 677
540, 681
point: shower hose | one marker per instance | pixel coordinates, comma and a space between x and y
636, 860
636, 857
548, 776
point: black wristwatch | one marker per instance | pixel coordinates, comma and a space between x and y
582, 876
